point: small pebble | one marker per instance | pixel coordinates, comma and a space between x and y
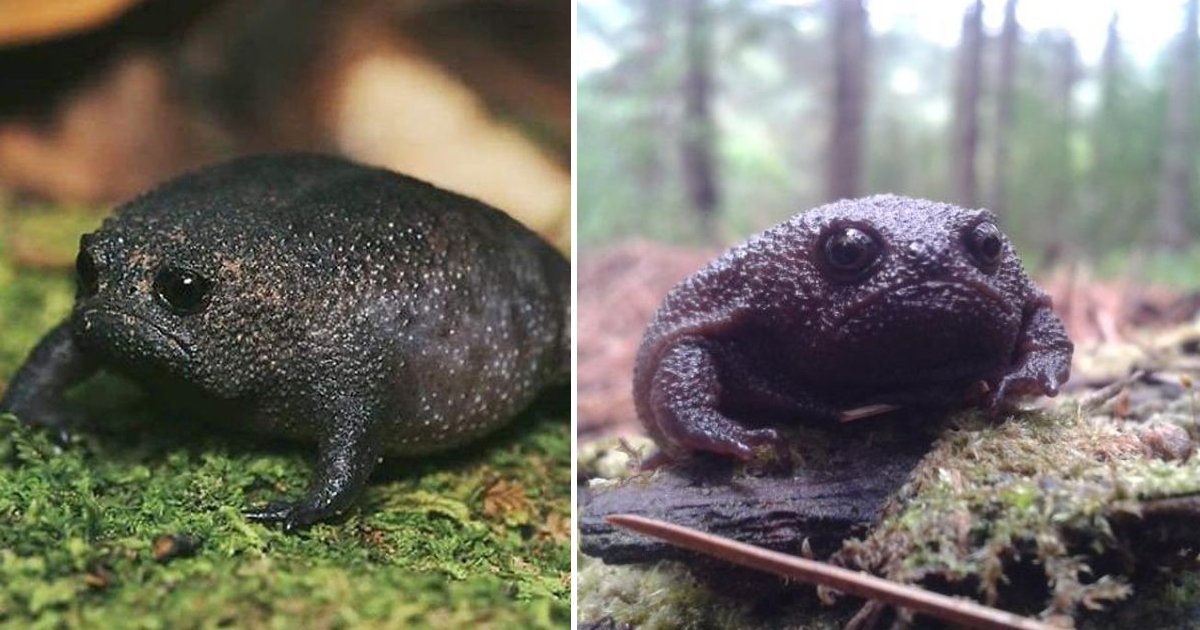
1166, 441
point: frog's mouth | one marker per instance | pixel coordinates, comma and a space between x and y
131, 339
932, 295
932, 331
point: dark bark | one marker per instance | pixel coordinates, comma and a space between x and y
829, 498
1175, 192
1005, 100
849, 98
699, 131
966, 106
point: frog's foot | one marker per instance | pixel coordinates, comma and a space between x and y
61, 426
59, 422
709, 431
332, 492
345, 461
290, 515
35, 393
1020, 384
685, 404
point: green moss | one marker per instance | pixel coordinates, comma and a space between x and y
660, 597
666, 596
479, 536
1039, 490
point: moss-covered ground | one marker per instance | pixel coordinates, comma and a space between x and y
136, 522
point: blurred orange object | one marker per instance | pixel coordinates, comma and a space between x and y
24, 21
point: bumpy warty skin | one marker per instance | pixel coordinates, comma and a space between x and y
369, 311
774, 332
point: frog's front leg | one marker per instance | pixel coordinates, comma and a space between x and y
685, 400
348, 451
1042, 358
35, 394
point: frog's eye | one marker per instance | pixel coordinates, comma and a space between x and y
985, 243
87, 278
182, 290
850, 251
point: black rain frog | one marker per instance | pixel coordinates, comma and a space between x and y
884, 301
313, 298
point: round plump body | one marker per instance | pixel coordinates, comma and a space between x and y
311, 297
885, 301
327, 275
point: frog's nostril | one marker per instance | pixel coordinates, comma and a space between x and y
924, 252
929, 257
918, 248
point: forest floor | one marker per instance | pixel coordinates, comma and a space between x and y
1046, 503
137, 522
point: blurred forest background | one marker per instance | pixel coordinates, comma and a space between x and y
703, 121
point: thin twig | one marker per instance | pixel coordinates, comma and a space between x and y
952, 609
1096, 399
866, 411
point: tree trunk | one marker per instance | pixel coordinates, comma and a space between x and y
1175, 193
699, 133
1068, 74
649, 162
966, 105
1005, 98
1110, 95
849, 98
1062, 199
1110, 67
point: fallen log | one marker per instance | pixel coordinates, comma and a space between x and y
810, 506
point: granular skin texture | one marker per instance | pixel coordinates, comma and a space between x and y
792, 327
310, 297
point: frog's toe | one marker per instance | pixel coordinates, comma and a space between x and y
996, 395
271, 512
1019, 385
60, 435
291, 516
58, 422
1053, 380
741, 443
769, 439
275, 512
